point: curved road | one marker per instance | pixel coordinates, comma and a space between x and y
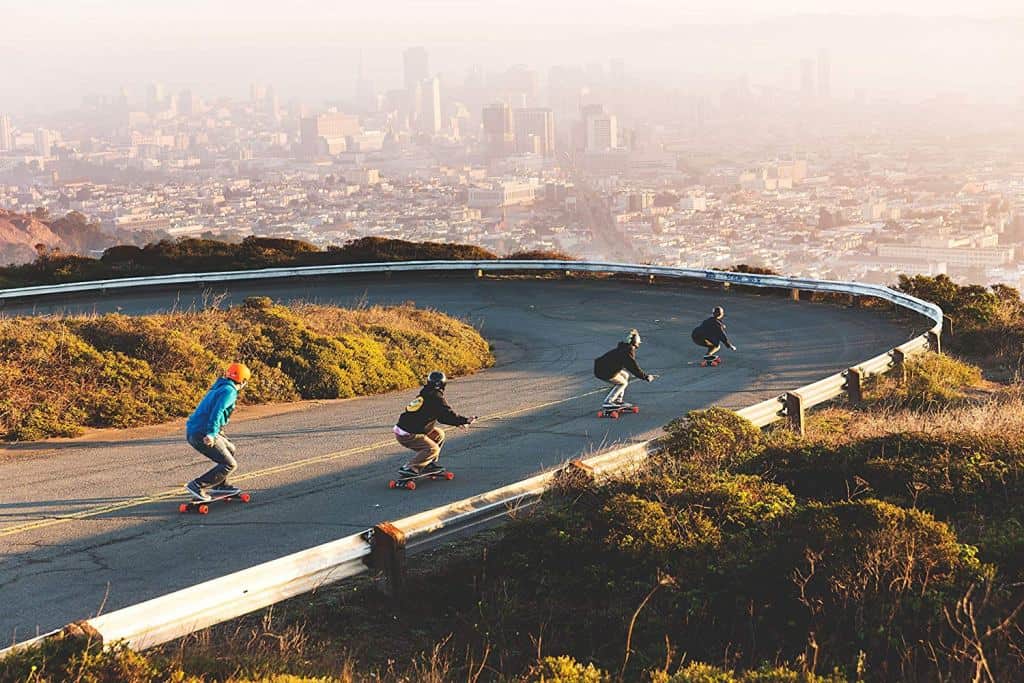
91, 524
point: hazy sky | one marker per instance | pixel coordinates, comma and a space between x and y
54, 51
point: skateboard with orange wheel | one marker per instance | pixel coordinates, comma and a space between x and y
409, 481
711, 362
614, 411
203, 506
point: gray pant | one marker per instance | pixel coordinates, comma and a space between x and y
618, 382
221, 452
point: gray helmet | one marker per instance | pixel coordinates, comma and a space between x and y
718, 312
633, 337
437, 379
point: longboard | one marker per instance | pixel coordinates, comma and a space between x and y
614, 413
203, 506
409, 481
705, 363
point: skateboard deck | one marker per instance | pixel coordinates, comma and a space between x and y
409, 481
705, 363
614, 413
203, 506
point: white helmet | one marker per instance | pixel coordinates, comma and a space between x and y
633, 337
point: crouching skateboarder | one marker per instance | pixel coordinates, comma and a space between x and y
204, 433
711, 335
616, 366
417, 427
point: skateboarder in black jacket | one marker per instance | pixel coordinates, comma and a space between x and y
711, 334
417, 427
616, 366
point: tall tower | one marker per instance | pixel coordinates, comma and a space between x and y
416, 67
807, 78
430, 114
6, 134
824, 74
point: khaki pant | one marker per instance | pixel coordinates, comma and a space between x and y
427, 446
619, 383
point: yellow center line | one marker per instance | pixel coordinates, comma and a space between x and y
255, 474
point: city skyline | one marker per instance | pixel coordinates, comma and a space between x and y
317, 53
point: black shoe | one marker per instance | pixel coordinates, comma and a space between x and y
408, 471
432, 468
196, 490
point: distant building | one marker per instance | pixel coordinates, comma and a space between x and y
534, 131
324, 134
954, 257
824, 74
6, 134
43, 142
430, 106
503, 194
498, 132
416, 67
602, 132
807, 78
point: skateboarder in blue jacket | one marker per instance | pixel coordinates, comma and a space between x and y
204, 433
711, 334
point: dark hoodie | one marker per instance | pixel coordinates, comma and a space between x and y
622, 357
712, 329
427, 409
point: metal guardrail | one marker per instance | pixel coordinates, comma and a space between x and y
775, 281
190, 609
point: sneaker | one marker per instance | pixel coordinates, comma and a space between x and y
408, 470
224, 489
196, 490
432, 468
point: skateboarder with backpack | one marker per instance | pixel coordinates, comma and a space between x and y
204, 432
711, 335
417, 427
616, 366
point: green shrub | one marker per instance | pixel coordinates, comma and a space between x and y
931, 380
698, 672
565, 669
715, 437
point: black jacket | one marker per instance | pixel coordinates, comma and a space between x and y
622, 357
426, 409
712, 329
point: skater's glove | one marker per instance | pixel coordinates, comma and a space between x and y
471, 421
732, 347
649, 378
208, 440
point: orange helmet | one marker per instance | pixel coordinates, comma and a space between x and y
238, 372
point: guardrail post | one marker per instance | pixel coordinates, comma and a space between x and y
934, 341
576, 472
479, 273
899, 362
387, 553
794, 294
650, 279
795, 411
855, 385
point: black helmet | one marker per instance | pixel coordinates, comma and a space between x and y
718, 312
437, 379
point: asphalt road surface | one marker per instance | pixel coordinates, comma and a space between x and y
92, 524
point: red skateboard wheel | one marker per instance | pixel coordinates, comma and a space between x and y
449, 475
245, 497
411, 486
392, 484
183, 507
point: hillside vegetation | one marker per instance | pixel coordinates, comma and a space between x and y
201, 255
61, 374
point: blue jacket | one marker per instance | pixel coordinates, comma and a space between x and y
214, 411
